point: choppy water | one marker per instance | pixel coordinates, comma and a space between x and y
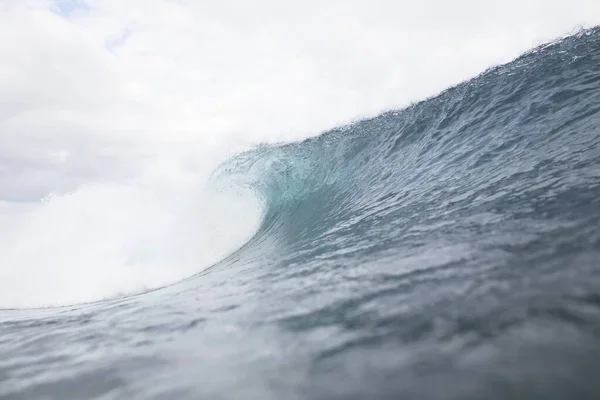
450, 250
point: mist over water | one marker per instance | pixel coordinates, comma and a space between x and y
106, 241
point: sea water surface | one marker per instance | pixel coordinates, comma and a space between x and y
449, 250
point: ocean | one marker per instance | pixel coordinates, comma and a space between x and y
448, 250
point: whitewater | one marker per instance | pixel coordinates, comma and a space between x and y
447, 250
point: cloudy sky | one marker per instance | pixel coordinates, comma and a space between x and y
120, 108
96, 89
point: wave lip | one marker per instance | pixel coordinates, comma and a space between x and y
465, 140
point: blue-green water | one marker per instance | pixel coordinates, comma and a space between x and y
450, 250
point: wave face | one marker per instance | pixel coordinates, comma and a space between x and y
448, 250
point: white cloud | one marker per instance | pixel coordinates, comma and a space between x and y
110, 92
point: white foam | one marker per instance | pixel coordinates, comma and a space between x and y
107, 240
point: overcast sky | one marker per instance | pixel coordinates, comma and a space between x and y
97, 89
